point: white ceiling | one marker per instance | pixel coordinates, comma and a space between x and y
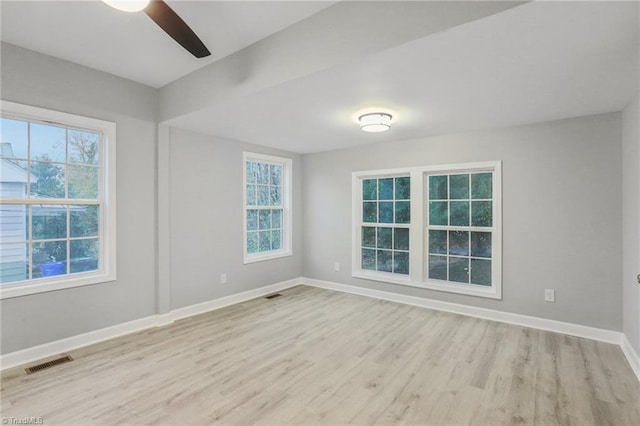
537, 61
131, 45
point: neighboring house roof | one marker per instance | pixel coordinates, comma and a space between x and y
10, 171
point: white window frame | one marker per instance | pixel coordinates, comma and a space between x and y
418, 229
286, 198
106, 271
357, 271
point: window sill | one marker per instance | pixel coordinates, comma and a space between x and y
385, 277
44, 285
268, 256
492, 292
467, 289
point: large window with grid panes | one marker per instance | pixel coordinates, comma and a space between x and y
436, 227
57, 189
267, 207
386, 216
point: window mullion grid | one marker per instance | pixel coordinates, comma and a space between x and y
66, 163
469, 230
28, 191
90, 237
282, 207
451, 228
102, 178
30, 240
68, 259
393, 250
460, 228
102, 195
417, 243
276, 207
393, 225
52, 239
66, 196
63, 205
53, 201
376, 245
420, 227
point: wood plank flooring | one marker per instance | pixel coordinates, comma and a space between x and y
317, 357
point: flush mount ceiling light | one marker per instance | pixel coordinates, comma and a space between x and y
375, 122
127, 5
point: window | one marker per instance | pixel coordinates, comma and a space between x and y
267, 212
435, 227
386, 215
460, 227
57, 212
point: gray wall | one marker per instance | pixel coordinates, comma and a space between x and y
562, 214
562, 208
206, 220
631, 223
204, 207
34, 79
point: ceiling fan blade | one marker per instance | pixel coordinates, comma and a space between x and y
172, 24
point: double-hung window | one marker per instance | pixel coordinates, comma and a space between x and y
384, 225
57, 212
436, 227
267, 207
460, 227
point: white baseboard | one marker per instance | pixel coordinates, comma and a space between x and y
632, 355
46, 350
50, 349
212, 305
57, 347
599, 334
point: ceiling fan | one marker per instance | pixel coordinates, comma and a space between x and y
168, 20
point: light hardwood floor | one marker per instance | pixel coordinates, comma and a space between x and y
315, 356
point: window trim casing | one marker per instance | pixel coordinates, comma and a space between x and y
418, 228
286, 196
356, 208
107, 201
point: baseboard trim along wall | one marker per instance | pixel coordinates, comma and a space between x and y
607, 336
46, 350
632, 355
599, 334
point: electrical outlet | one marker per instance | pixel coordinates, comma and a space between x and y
336, 266
549, 295
223, 278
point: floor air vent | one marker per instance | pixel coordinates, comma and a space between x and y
273, 296
48, 364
